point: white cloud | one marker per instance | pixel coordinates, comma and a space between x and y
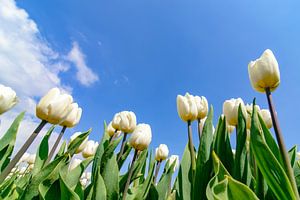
84, 74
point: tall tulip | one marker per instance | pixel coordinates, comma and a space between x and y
8, 98
124, 121
113, 133
90, 149
266, 116
264, 76
139, 140
70, 121
74, 163
188, 112
202, 108
249, 108
230, 110
161, 153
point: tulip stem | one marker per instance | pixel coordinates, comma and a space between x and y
199, 128
158, 163
122, 147
113, 137
20, 153
56, 144
130, 174
280, 141
191, 147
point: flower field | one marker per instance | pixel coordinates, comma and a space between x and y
258, 167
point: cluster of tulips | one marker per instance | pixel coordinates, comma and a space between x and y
260, 167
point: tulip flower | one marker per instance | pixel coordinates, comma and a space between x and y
90, 149
298, 155
74, 163
230, 110
24, 158
201, 125
230, 128
8, 98
124, 121
266, 116
70, 121
139, 140
249, 108
161, 153
31, 159
264, 76
82, 145
113, 133
202, 108
172, 159
188, 112
54, 107
264, 72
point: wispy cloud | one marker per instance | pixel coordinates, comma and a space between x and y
84, 74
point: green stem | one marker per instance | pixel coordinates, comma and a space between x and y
20, 153
130, 174
281, 144
199, 128
191, 147
122, 147
113, 137
158, 163
56, 144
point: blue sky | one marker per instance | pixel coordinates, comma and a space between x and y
146, 52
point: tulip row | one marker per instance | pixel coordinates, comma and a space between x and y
258, 168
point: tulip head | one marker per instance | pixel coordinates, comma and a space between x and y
8, 98
90, 149
161, 152
202, 123
73, 117
24, 157
82, 145
74, 163
187, 107
141, 137
111, 131
31, 159
266, 116
230, 110
124, 121
54, 106
172, 159
264, 72
249, 109
202, 106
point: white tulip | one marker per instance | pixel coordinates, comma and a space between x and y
22, 170
141, 137
82, 145
230, 110
264, 72
230, 128
73, 117
202, 122
8, 98
83, 182
25, 156
202, 106
111, 131
249, 108
90, 149
298, 154
124, 121
54, 107
74, 163
172, 159
187, 107
30, 167
31, 159
266, 116
233, 152
161, 152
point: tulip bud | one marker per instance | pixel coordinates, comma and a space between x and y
111, 131
54, 106
124, 121
172, 159
264, 72
31, 159
74, 163
73, 117
230, 128
249, 108
187, 107
24, 158
202, 122
141, 137
233, 152
266, 116
202, 106
230, 110
161, 152
82, 145
8, 98
22, 170
90, 149
83, 182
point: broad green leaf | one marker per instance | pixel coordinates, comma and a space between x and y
99, 189
66, 192
42, 152
164, 184
7, 142
110, 176
204, 162
269, 166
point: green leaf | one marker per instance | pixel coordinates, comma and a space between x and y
7, 142
268, 164
42, 152
293, 155
73, 146
127, 150
66, 192
204, 162
110, 176
61, 150
99, 189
